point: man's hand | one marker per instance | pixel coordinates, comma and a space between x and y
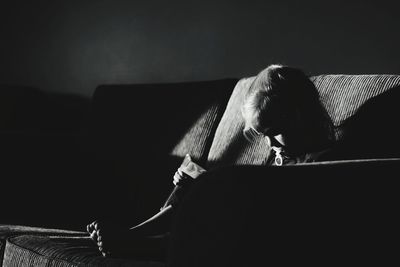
179, 176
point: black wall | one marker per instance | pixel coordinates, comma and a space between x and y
73, 46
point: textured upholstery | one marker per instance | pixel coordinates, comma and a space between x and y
13, 230
2, 244
341, 95
60, 251
229, 145
9, 230
197, 139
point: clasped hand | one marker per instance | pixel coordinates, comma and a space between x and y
180, 176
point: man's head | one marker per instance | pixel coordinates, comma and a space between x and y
282, 104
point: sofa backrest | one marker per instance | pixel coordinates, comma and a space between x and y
145, 130
229, 145
133, 121
342, 96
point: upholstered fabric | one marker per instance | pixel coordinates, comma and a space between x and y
341, 95
60, 251
13, 230
9, 230
229, 145
197, 139
2, 243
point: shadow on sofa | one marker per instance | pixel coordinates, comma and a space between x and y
60, 152
112, 171
373, 131
127, 154
318, 214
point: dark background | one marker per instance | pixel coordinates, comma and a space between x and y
53, 55
73, 46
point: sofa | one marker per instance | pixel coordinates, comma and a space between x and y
119, 164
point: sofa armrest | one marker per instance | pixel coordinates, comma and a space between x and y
243, 216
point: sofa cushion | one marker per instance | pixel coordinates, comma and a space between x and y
13, 230
59, 251
344, 95
341, 95
229, 145
131, 121
7, 230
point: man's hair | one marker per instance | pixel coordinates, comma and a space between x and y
286, 90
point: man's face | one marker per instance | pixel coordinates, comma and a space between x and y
284, 131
